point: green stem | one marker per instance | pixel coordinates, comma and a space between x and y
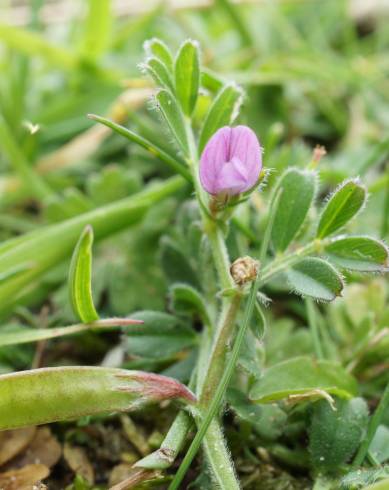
217, 358
214, 405
216, 451
284, 262
312, 320
219, 458
220, 254
372, 429
164, 457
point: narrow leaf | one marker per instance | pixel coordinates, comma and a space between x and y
157, 48
173, 117
177, 165
341, 207
159, 73
187, 76
298, 191
358, 253
80, 278
302, 375
315, 278
27, 335
47, 395
222, 112
98, 25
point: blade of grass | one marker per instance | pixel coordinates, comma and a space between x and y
97, 29
29, 335
147, 145
372, 428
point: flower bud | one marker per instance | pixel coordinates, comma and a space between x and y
244, 270
231, 161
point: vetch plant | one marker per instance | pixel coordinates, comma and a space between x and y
225, 164
223, 261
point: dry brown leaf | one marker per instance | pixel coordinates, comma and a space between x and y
23, 478
78, 461
43, 449
138, 476
119, 473
12, 442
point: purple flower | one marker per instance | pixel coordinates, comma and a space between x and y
231, 161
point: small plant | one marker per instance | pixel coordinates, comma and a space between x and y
222, 259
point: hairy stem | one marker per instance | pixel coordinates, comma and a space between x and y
214, 439
219, 458
216, 450
217, 359
284, 262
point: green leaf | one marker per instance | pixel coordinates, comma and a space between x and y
259, 323
250, 358
157, 48
80, 278
21, 335
211, 80
379, 446
159, 73
358, 253
300, 376
345, 203
336, 432
161, 336
187, 75
298, 191
315, 278
47, 395
112, 183
186, 299
98, 25
267, 420
177, 165
173, 117
175, 263
223, 111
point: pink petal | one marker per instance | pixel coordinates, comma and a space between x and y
231, 161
